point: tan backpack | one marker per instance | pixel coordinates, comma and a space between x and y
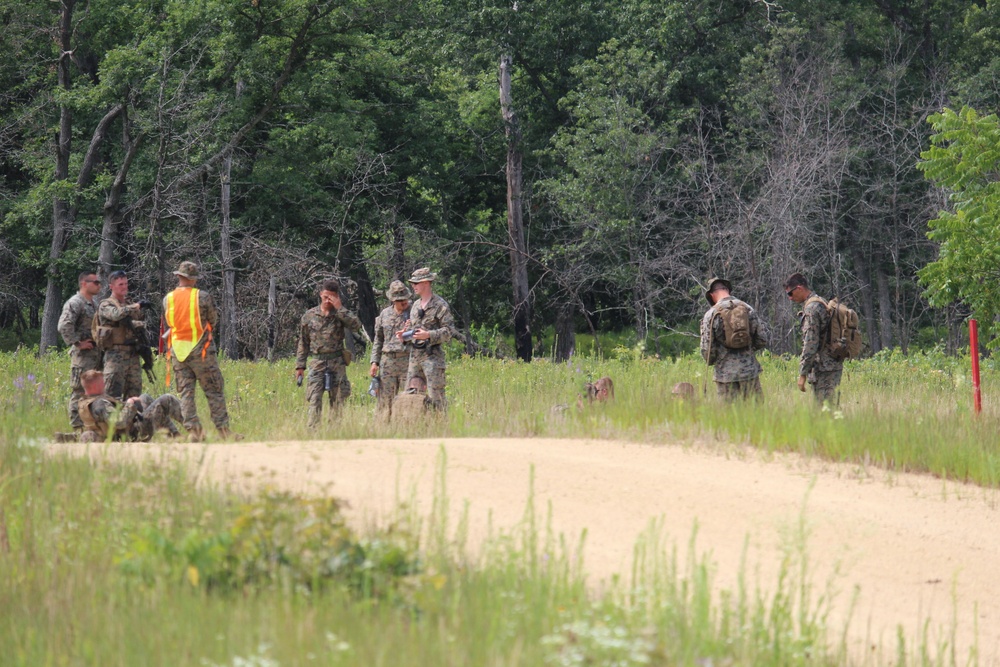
735, 317
843, 337
103, 335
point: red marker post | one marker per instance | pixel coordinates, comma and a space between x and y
977, 395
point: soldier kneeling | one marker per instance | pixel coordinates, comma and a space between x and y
95, 407
142, 416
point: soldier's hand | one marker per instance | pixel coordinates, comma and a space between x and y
421, 334
299, 372
85, 345
336, 302
374, 370
802, 383
144, 304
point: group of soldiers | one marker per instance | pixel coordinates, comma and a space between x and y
407, 358
107, 342
731, 336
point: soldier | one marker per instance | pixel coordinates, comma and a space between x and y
95, 407
411, 406
600, 391
121, 330
683, 391
75, 328
733, 352
390, 356
430, 325
160, 413
191, 317
817, 366
321, 336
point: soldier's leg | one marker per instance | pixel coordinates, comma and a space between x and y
751, 389
186, 381
212, 383
434, 372
171, 410
415, 367
133, 376
393, 371
114, 374
727, 391
314, 395
825, 386
74, 399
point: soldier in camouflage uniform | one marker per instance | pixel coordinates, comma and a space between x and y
390, 356
817, 366
75, 328
431, 324
736, 372
200, 365
321, 336
96, 407
127, 330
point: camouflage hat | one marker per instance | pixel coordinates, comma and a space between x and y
422, 275
398, 291
188, 270
722, 282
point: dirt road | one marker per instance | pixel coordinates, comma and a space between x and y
915, 548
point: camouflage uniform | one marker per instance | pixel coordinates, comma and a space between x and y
95, 411
122, 370
391, 355
322, 337
75, 326
822, 371
736, 372
161, 413
427, 361
201, 367
410, 407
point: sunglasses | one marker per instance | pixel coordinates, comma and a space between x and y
791, 292
97, 282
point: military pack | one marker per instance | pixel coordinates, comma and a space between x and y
735, 316
843, 338
105, 337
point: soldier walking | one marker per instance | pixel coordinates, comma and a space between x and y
730, 338
816, 366
432, 324
390, 356
75, 324
191, 317
121, 329
321, 336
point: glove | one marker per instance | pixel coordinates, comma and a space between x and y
145, 304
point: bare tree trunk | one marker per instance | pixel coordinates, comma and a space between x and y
884, 308
112, 215
397, 262
565, 332
272, 317
866, 300
60, 207
515, 222
227, 336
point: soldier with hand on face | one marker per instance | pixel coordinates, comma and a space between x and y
75, 324
390, 358
730, 338
321, 336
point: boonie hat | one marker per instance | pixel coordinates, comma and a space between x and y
717, 281
188, 270
422, 275
398, 291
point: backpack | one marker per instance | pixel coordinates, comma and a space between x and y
104, 336
843, 338
736, 325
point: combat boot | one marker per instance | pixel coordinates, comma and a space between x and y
227, 434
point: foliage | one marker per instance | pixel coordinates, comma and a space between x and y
963, 159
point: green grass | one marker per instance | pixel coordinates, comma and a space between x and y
95, 559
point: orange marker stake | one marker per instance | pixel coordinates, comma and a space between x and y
977, 395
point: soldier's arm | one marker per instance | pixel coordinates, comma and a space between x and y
206, 305
67, 324
112, 313
349, 319
378, 342
443, 333
706, 339
757, 335
302, 352
811, 336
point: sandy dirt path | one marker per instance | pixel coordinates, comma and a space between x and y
914, 547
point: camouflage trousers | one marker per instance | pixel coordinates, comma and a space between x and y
825, 385
429, 364
743, 389
160, 414
194, 371
393, 371
81, 364
340, 387
122, 373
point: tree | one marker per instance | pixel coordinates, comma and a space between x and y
964, 158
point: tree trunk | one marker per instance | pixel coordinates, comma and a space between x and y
272, 316
60, 207
515, 222
565, 332
397, 262
112, 215
884, 308
227, 336
866, 301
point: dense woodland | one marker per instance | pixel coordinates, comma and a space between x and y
565, 165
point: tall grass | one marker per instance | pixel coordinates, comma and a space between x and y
903, 413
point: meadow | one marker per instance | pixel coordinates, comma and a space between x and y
129, 564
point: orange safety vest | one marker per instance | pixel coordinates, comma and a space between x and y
184, 322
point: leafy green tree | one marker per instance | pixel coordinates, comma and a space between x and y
964, 158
